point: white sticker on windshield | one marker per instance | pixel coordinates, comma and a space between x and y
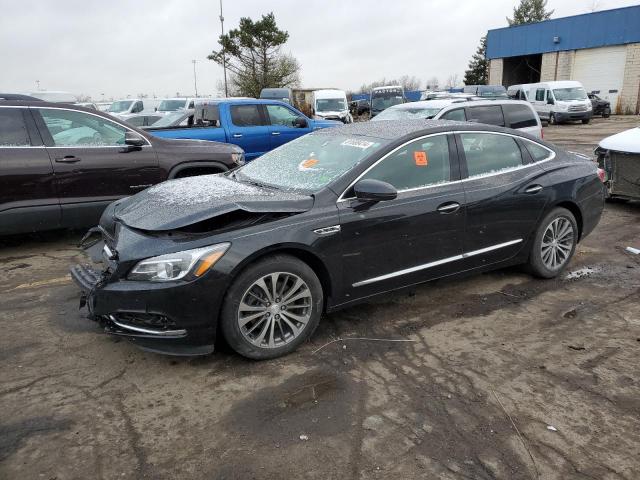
352, 142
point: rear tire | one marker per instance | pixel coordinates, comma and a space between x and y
272, 307
585, 121
554, 243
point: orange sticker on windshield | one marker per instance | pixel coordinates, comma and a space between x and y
309, 163
421, 158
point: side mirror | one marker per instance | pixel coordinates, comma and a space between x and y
133, 139
370, 190
550, 101
300, 122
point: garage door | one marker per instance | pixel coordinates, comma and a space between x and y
601, 69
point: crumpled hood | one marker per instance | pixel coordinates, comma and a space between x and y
178, 203
627, 141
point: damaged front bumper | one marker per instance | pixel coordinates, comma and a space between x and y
160, 318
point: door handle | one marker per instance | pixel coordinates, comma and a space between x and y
449, 207
237, 135
275, 133
68, 159
533, 189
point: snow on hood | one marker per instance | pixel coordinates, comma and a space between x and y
627, 141
182, 202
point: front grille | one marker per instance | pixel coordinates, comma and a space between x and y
148, 320
625, 174
577, 108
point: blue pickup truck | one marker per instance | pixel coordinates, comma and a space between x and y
256, 126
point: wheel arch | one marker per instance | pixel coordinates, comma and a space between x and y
213, 166
575, 210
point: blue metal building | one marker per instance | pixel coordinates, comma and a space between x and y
600, 49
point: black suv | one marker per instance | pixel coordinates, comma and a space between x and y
61, 165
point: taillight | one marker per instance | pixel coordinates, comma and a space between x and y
601, 174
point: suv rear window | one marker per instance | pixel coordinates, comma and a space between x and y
13, 131
519, 116
490, 114
246, 115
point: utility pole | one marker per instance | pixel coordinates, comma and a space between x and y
224, 57
195, 82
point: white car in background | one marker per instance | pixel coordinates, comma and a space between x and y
514, 114
170, 105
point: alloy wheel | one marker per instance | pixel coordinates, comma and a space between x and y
274, 310
557, 243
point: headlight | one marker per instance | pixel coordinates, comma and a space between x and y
238, 158
175, 266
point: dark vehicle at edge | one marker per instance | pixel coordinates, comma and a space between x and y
61, 165
328, 220
600, 105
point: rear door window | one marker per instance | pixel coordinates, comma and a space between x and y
537, 151
13, 131
540, 95
457, 114
490, 114
488, 153
246, 115
519, 116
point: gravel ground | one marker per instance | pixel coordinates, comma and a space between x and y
500, 376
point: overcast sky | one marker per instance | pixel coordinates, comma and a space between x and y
123, 47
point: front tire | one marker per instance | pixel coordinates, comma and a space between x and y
554, 243
585, 121
272, 307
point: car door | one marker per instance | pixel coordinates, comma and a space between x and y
522, 117
28, 198
91, 162
540, 102
489, 114
504, 195
248, 128
283, 124
457, 114
415, 237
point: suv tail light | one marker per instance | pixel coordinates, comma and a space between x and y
601, 174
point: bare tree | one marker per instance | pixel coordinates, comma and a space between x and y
432, 83
452, 80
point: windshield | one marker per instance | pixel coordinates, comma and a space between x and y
171, 105
170, 119
121, 106
574, 93
309, 163
489, 91
383, 99
330, 104
406, 113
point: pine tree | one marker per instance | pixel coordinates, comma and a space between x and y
529, 11
478, 71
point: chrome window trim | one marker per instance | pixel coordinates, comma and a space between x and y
342, 198
88, 113
435, 263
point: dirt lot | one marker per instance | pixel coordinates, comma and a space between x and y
557, 359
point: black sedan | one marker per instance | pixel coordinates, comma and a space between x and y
328, 220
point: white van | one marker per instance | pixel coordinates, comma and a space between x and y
170, 105
331, 105
559, 101
126, 107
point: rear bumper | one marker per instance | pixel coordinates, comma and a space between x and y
177, 318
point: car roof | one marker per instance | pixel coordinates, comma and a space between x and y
17, 96
397, 129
